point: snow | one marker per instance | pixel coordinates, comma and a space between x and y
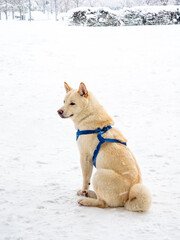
156, 8
134, 72
142, 8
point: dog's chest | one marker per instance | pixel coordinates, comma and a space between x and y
87, 143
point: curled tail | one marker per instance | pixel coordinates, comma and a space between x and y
139, 199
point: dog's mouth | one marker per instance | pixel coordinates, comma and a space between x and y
62, 116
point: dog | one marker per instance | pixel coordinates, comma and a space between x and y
117, 181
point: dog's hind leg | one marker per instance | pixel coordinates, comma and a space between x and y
111, 187
90, 202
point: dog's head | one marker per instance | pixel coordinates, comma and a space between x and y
75, 101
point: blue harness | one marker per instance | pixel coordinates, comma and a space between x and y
100, 138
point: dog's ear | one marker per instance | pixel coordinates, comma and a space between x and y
67, 87
83, 90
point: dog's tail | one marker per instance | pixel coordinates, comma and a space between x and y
139, 199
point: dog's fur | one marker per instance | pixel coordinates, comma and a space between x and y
117, 181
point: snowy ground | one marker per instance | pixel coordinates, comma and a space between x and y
135, 74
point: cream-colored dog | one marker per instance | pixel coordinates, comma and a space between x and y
117, 181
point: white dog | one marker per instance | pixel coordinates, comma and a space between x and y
117, 181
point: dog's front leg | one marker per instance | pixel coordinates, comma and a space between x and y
87, 167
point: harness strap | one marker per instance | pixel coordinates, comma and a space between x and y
84, 132
100, 138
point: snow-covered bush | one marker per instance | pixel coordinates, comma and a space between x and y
93, 17
162, 15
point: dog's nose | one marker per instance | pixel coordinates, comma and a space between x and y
60, 111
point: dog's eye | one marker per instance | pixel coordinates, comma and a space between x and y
72, 103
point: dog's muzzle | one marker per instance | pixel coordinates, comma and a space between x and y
60, 112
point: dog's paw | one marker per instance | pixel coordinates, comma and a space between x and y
83, 202
83, 193
87, 193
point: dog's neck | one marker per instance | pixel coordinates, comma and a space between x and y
93, 117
